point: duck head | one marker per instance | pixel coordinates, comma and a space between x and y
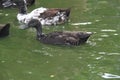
22, 6
37, 25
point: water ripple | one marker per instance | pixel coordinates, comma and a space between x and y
1, 13
19, 61
113, 54
105, 35
100, 57
6, 14
3, 61
100, 39
84, 23
108, 30
52, 75
110, 76
103, 53
43, 52
29, 72
91, 43
115, 34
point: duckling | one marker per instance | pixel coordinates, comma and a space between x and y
4, 30
59, 37
46, 16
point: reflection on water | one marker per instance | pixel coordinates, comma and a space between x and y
19, 61
113, 54
102, 53
42, 52
3, 61
6, 15
1, 13
107, 53
98, 58
84, 23
91, 43
115, 34
108, 30
104, 35
110, 76
100, 39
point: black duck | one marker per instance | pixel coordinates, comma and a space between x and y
4, 30
60, 37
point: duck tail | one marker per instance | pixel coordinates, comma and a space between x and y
68, 11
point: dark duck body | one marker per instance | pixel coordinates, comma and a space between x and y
4, 30
60, 37
46, 16
65, 38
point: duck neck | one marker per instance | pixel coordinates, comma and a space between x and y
22, 6
37, 25
39, 31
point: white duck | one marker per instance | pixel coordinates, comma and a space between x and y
46, 16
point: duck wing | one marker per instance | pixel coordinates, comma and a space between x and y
55, 12
82, 37
60, 38
49, 13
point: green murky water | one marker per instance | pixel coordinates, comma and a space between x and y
22, 57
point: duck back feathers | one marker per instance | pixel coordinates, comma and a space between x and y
65, 38
58, 16
54, 11
46, 16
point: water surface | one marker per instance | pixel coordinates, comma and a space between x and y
22, 57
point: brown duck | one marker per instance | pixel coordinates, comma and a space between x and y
60, 37
4, 30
